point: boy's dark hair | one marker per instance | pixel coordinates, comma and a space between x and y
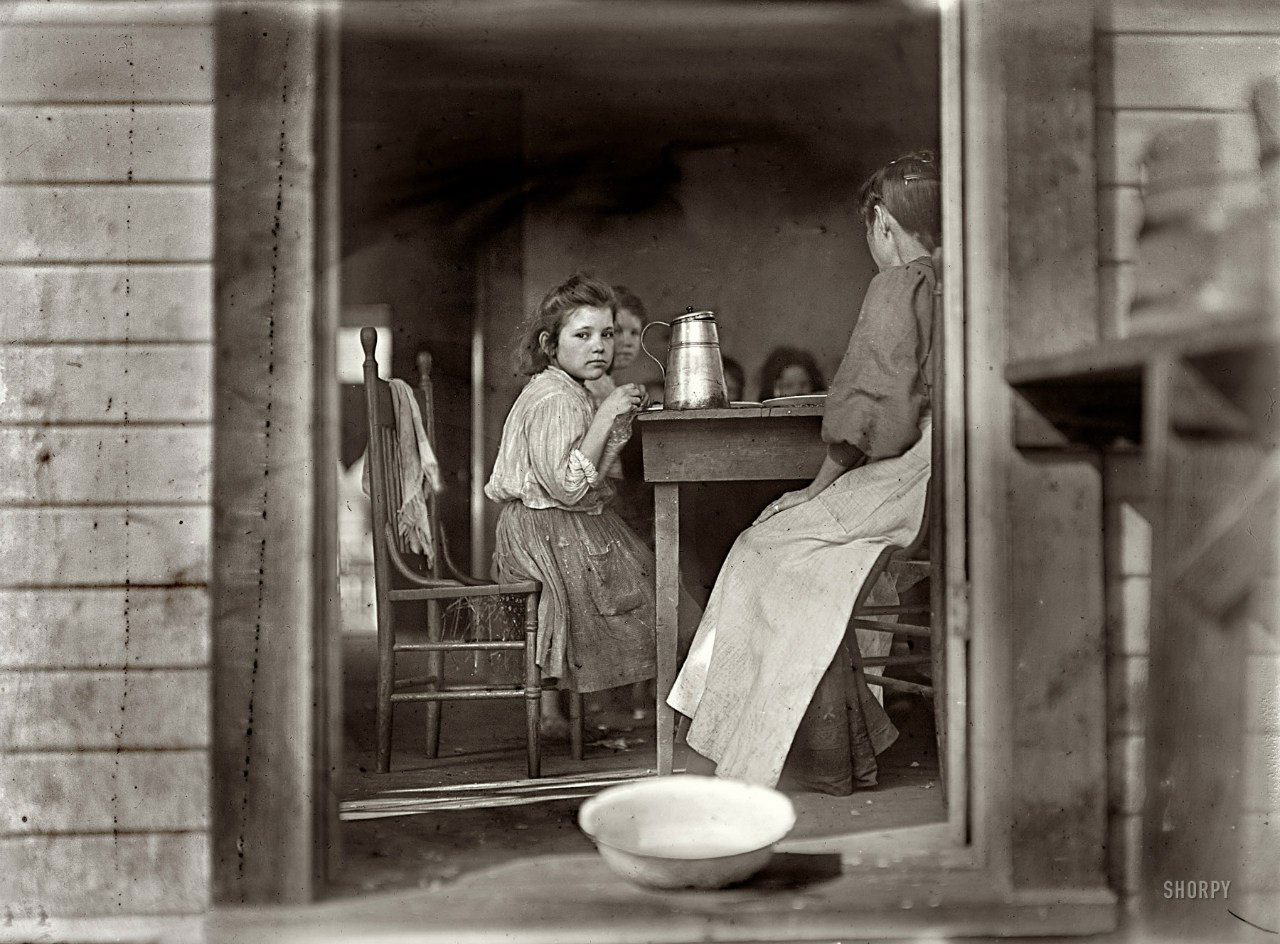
779, 359
910, 189
578, 291
630, 301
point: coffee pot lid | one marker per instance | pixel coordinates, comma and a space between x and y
694, 316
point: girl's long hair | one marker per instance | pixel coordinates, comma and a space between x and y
580, 290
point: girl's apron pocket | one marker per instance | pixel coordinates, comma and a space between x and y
614, 589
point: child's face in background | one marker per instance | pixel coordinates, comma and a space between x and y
733, 386
584, 348
794, 381
626, 339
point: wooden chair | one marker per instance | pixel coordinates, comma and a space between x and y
398, 580
922, 558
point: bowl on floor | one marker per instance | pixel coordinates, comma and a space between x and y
686, 831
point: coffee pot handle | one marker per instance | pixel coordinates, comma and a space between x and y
662, 367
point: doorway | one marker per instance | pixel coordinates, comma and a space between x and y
709, 157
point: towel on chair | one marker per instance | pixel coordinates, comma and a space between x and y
419, 473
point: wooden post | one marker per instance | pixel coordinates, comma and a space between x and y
268, 780
666, 496
1055, 500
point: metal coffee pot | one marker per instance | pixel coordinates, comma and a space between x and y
694, 373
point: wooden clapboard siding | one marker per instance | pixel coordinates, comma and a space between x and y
107, 143
1126, 696
1262, 693
1128, 606
104, 628
1261, 789
106, 302
1124, 853
94, 223
106, 168
1127, 556
104, 710
129, 465
1125, 134
1180, 17
106, 383
106, 875
1126, 794
43, 64
1161, 63
1205, 72
58, 546
104, 791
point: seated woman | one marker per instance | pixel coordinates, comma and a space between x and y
790, 372
596, 613
769, 649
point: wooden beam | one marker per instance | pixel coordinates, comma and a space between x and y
1054, 512
1196, 703
267, 474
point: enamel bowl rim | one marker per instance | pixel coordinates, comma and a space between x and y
604, 797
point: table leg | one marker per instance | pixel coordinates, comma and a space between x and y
666, 513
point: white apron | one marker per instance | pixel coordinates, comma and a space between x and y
780, 608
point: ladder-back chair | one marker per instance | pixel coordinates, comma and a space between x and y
923, 558
398, 579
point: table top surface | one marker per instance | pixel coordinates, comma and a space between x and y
731, 413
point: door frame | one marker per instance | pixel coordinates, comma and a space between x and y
981, 111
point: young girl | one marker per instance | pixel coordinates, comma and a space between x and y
768, 652
596, 614
790, 372
630, 321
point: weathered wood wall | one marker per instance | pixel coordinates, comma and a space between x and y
1162, 62
273, 507
1055, 546
105, 273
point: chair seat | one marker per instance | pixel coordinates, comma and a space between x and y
454, 590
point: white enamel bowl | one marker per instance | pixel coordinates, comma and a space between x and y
686, 831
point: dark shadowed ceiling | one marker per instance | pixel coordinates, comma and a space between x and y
612, 94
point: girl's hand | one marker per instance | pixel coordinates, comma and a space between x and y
625, 399
789, 500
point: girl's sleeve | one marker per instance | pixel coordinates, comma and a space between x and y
556, 427
874, 406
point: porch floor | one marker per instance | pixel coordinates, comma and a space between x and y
484, 742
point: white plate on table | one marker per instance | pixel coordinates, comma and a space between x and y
746, 403
802, 400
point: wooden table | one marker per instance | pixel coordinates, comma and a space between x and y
740, 444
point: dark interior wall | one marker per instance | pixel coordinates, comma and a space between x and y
709, 156
415, 228
720, 169
779, 261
